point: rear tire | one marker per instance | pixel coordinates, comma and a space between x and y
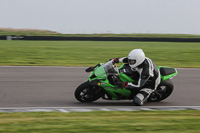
163, 91
88, 93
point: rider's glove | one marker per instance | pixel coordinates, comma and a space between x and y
125, 84
122, 84
115, 60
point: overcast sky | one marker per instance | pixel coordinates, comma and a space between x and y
103, 16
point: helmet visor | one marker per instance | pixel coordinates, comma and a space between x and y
131, 62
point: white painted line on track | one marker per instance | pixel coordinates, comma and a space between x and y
89, 109
103, 107
62, 110
41, 110
98, 107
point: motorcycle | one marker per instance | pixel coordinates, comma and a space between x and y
105, 81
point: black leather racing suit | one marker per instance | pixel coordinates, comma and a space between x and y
149, 79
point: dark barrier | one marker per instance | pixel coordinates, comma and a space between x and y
2, 37
57, 38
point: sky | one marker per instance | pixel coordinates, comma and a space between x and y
102, 16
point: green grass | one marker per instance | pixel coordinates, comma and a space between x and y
88, 53
116, 122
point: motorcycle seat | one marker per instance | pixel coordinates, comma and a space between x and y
167, 71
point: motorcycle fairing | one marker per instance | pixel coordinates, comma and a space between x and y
167, 72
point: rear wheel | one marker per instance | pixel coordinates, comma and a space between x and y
162, 92
88, 93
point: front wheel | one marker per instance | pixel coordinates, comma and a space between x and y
88, 93
163, 90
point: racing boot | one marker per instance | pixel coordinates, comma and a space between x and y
142, 96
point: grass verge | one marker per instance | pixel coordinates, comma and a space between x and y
88, 53
136, 121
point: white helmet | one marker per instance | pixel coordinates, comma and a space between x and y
136, 57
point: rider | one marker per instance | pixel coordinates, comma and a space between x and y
149, 75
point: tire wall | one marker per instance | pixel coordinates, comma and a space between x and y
60, 38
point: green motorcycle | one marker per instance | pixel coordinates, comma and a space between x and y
105, 81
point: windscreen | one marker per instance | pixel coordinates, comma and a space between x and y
109, 68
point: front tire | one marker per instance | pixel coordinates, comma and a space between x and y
163, 91
88, 93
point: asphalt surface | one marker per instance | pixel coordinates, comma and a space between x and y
55, 86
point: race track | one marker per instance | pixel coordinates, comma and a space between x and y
54, 87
